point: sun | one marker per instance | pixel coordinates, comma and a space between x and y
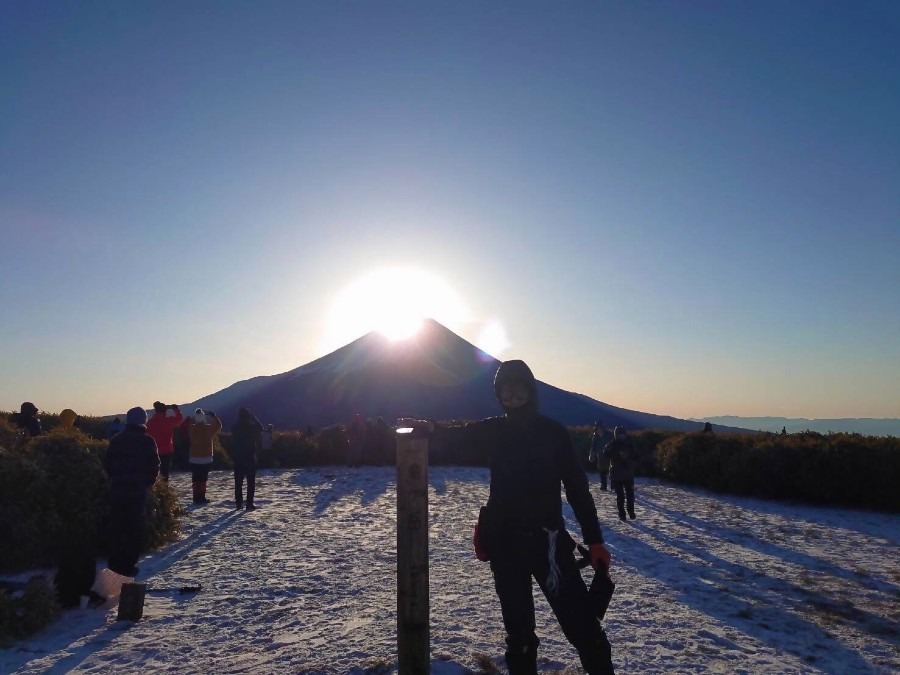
393, 301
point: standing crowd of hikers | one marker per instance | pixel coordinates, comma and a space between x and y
520, 530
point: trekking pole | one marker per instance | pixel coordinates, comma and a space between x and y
412, 552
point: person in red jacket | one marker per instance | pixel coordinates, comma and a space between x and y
160, 427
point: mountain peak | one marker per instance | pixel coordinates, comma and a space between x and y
434, 374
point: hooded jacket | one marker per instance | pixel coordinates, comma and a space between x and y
131, 461
619, 452
531, 455
202, 436
161, 427
27, 419
246, 438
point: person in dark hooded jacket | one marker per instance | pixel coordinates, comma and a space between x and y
132, 464
521, 529
246, 438
619, 452
27, 419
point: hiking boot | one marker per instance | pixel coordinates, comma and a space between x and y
238, 506
622, 516
250, 507
631, 514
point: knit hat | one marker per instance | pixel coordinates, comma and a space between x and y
136, 416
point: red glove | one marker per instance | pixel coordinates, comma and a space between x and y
480, 553
600, 556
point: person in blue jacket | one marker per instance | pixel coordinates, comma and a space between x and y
132, 464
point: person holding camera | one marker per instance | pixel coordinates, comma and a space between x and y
203, 435
161, 427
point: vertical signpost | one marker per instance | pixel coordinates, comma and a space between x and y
413, 646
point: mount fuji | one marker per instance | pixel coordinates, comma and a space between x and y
434, 375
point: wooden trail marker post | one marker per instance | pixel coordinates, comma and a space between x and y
413, 637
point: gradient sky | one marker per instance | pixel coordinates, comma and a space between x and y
685, 208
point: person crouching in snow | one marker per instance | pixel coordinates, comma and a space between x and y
246, 437
521, 529
619, 452
132, 465
203, 434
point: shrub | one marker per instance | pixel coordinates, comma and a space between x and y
23, 612
331, 446
53, 497
163, 513
840, 469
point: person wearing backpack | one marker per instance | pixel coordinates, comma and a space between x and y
619, 452
246, 437
599, 439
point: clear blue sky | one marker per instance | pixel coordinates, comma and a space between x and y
682, 208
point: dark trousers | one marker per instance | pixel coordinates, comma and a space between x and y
244, 470
165, 462
624, 493
514, 565
125, 534
200, 473
604, 475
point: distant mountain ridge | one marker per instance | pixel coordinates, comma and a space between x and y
868, 426
434, 375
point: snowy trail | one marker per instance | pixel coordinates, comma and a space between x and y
306, 584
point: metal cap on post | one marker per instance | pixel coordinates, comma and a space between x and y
413, 636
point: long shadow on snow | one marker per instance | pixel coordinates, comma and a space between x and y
152, 564
727, 593
338, 482
832, 516
750, 541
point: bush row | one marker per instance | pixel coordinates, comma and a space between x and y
838, 469
53, 500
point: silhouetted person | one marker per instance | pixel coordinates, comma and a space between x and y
132, 465
356, 436
267, 438
619, 452
246, 439
599, 439
521, 529
114, 427
784, 431
707, 428
27, 419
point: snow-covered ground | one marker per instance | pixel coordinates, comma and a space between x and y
307, 584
